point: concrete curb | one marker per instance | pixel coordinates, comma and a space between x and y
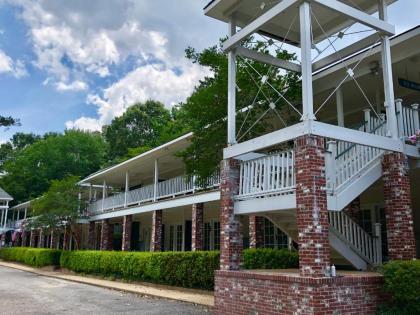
177, 294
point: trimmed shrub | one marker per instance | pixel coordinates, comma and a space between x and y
36, 257
266, 258
402, 282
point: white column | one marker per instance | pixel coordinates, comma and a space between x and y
26, 212
127, 188
232, 88
1, 219
387, 73
156, 181
399, 113
340, 106
415, 108
103, 195
367, 119
306, 46
90, 193
5, 218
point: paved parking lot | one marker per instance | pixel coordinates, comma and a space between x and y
27, 293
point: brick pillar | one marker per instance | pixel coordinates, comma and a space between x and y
353, 210
398, 209
3, 239
32, 239
197, 241
107, 233
231, 243
53, 241
66, 238
24, 238
41, 239
91, 235
311, 204
18, 241
126, 232
156, 240
256, 231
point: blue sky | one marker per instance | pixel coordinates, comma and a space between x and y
78, 63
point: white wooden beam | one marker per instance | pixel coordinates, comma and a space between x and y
267, 140
268, 59
156, 180
305, 48
255, 25
258, 205
358, 16
345, 52
231, 89
340, 106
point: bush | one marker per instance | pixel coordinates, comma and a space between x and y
266, 258
37, 257
402, 282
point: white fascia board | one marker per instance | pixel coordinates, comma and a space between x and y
345, 52
267, 140
258, 205
358, 16
255, 25
162, 205
268, 59
355, 136
412, 150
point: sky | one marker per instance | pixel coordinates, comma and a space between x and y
78, 64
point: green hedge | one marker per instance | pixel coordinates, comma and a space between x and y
266, 258
402, 282
37, 257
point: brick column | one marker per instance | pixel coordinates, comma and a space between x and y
353, 210
398, 209
311, 204
66, 238
91, 235
41, 239
156, 239
256, 231
197, 239
231, 243
107, 233
53, 242
32, 239
126, 232
24, 238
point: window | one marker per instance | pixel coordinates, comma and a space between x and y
179, 237
176, 237
274, 237
216, 235
207, 236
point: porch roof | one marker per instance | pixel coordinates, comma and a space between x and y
4, 195
284, 25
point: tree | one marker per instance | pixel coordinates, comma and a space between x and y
30, 171
140, 126
205, 110
20, 140
9, 121
58, 208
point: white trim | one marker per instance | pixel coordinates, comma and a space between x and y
259, 205
173, 203
268, 59
358, 16
255, 25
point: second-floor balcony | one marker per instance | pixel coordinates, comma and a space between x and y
174, 187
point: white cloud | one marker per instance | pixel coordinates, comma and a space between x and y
148, 82
7, 65
73, 86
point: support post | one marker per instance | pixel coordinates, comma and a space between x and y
26, 212
415, 108
197, 227
107, 232
387, 74
256, 232
340, 106
400, 121
126, 232
127, 188
156, 181
92, 235
5, 218
330, 163
306, 46
156, 239
232, 88
378, 236
367, 119
103, 195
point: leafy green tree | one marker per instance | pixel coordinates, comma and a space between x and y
20, 140
140, 126
9, 121
30, 172
58, 208
205, 110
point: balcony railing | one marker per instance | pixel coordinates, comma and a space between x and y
171, 188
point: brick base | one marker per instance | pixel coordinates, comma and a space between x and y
126, 232
256, 232
242, 292
197, 238
156, 239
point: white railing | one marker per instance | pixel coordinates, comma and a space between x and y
267, 175
173, 187
370, 248
344, 160
407, 119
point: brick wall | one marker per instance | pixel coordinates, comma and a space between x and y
126, 232
256, 231
244, 293
231, 245
197, 226
156, 239
311, 203
398, 209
